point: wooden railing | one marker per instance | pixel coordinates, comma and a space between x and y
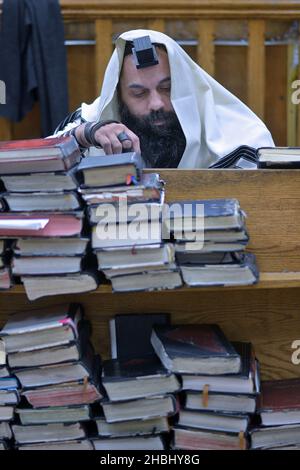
207, 14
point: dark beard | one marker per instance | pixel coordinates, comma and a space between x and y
161, 146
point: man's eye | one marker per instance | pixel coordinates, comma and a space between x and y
139, 94
166, 89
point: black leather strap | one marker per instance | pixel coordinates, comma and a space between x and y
91, 128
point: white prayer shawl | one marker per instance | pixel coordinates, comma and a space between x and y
213, 120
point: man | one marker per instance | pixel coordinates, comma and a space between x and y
169, 109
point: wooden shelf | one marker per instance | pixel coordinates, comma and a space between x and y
267, 281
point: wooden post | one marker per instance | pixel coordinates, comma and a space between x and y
103, 50
206, 46
256, 67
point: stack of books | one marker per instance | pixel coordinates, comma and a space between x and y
125, 210
50, 353
44, 215
279, 412
220, 383
5, 270
210, 237
9, 398
141, 393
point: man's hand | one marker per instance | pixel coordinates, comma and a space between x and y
107, 138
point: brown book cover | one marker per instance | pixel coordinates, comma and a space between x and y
280, 395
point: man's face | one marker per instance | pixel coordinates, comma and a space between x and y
146, 91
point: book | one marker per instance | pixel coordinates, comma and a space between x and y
48, 432
110, 170
122, 234
38, 155
140, 408
40, 328
137, 427
211, 240
5, 430
77, 444
279, 402
246, 381
273, 436
72, 352
220, 402
46, 265
5, 278
213, 421
4, 372
147, 189
123, 212
66, 394
42, 286
2, 353
242, 272
147, 281
9, 397
50, 246
54, 374
130, 335
199, 439
8, 383
195, 348
137, 378
6, 413
54, 414
32, 182
278, 157
199, 258
116, 272
201, 215
142, 255
40, 224
42, 201
129, 443
243, 157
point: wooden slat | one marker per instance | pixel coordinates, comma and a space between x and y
103, 49
5, 129
256, 67
291, 108
157, 24
206, 47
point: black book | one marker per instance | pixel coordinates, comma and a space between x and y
243, 157
278, 157
130, 335
137, 378
195, 348
31, 182
110, 170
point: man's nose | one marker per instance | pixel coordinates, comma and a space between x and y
155, 101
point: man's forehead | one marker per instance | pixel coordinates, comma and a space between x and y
148, 75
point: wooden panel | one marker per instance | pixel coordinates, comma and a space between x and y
103, 31
231, 69
206, 47
157, 25
276, 93
5, 129
81, 75
256, 67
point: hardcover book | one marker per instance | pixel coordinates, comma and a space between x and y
130, 335
110, 170
39, 155
137, 378
195, 348
279, 402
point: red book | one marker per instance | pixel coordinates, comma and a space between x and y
280, 402
38, 155
40, 224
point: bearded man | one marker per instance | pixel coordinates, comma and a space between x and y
157, 101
